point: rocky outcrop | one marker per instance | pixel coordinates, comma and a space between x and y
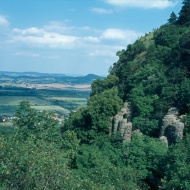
172, 127
122, 123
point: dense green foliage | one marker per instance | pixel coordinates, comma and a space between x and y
38, 156
154, 75
184, 15
157, 77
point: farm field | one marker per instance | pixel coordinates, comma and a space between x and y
14, 100
50, 86
58, 101
52, 108
59, 94
69, 99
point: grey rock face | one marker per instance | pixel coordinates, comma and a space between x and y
122, 123
172, 126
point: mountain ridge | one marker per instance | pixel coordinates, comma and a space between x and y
51, 78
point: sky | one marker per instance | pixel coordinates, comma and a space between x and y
74, 37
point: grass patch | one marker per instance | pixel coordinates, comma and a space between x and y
15, 100
52, 108
70, 103
70, 99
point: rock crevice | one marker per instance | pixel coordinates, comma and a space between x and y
172, 126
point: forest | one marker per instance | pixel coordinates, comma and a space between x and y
149, 85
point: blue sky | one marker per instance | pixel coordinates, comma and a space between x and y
74, 36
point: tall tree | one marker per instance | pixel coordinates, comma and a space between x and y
184, 14
173, 18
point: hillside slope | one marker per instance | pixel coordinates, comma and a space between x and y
153, 74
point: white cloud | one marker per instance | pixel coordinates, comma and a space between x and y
91, 39
4, 27
31, 54
27, 54
3, 21
98, 53
28, 31
105, 51
101, 11
49, 39
54, 35
118, 34
159, 4
55, 26
45, 38
36, 36
85, 28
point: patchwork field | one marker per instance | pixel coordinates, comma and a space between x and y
14, 100
56, 93
70, 99
50, 86
52, 108
58, 101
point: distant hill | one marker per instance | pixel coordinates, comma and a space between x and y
50, 77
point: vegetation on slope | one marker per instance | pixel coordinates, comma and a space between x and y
154, 75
